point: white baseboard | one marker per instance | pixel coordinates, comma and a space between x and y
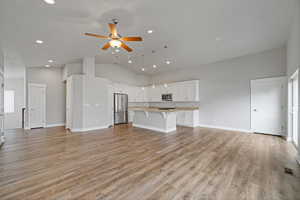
289, 139
55, 125
48, 126
154, 128
89, 129
226, 128
187, 125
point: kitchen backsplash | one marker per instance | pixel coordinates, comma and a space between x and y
133, 104
167, 104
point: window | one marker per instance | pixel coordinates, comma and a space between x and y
9, 101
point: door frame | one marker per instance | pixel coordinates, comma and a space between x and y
281, 78
44, 86
290, 134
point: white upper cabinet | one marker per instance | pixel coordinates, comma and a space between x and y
154, 93
181, 91
185, 91
141, 94
189, 91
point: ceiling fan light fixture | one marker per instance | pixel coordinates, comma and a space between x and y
116, 40
50, 1
115, 43
39, 41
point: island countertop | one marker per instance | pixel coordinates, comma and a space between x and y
158, 109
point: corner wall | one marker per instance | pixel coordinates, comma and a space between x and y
293, 53
14, 120
55, 92
225, 86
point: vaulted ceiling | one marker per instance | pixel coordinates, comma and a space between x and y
195, 32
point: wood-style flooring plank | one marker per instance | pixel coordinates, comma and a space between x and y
127, 163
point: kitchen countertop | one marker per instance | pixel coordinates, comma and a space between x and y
157, 109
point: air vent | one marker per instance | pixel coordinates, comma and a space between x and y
288, 171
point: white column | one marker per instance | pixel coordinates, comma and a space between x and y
88, 66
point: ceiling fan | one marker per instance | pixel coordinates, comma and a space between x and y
116, 40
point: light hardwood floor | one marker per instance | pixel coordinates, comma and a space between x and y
130, 163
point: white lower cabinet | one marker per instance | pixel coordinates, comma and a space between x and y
130, 116
188, 118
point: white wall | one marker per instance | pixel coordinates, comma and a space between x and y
1, 60
119, 74
293, 51
293, 44
97, 103
56, 91
14, 120
225, 86
112, 72
1, 93
14, 79
71, 69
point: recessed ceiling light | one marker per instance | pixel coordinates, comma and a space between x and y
50, 2
50, 61
47, 65
150, 31
168, 62
143, 69
129, 61
39, 41
154, 66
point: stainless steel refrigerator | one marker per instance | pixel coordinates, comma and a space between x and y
120, 108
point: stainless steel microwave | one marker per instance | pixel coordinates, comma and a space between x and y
166, 97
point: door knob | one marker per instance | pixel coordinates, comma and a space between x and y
255, 110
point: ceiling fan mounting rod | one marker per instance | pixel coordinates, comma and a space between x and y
115, 21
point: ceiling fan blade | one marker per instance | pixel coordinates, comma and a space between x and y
113, 30
126, 47
106, 46
132, 39
97, 36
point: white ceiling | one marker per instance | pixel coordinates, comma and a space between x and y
188, 28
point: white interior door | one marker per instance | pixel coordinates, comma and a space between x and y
268, 105
37, 105
69, 104
1, 108
295, 108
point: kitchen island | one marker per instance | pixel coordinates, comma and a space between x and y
157, 119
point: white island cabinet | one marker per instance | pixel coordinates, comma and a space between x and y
164, 120
154, 119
